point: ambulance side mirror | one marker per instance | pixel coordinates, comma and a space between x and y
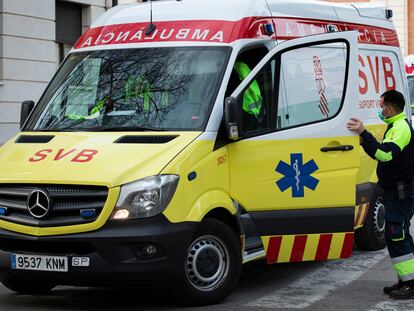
231, 118
27, 107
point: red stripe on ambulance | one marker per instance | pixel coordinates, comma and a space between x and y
273, 249
305, 247
347, 246
298, 248
291, 28
222, 31
323, 247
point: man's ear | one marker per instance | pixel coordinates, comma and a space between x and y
392, 109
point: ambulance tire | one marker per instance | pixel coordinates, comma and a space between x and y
215, 249
371, 236
26, 286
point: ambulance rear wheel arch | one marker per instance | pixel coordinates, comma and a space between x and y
371, 236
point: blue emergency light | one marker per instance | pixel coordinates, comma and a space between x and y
268, 29
88, 213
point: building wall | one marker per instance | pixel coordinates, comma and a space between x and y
410, 26
29, 55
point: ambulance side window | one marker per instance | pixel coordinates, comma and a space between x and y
256, 101
257, 96
312, 83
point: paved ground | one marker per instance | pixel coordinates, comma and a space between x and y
354, 284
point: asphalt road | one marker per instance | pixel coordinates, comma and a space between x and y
353, 284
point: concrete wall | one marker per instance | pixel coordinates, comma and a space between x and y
29, 54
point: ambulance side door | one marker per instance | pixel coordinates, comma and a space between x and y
294, 167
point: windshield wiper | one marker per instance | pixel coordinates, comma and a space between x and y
54, 130
123, 129
67, 128
102, 129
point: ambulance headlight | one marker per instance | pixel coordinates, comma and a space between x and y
145, 198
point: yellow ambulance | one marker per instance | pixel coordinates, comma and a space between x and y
169, 151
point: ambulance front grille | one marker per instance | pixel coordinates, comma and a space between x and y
68, 205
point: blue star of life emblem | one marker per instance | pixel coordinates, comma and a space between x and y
297, 175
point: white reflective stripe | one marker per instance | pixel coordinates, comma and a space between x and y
403, 258
408, 277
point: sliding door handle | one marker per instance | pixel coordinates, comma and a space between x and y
338, 148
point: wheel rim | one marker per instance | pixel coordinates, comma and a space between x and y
207, 263
379, 220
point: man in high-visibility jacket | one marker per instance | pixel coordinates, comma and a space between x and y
93, 114
252, 100
395, 170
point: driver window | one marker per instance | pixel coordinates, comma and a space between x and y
256, 97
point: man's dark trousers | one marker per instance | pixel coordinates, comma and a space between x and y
399, 209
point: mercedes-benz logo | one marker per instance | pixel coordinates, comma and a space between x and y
38, 203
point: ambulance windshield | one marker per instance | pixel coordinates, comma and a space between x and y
132, 89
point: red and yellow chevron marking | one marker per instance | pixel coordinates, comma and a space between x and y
361, 212
310, 247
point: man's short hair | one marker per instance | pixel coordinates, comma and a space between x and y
395, 99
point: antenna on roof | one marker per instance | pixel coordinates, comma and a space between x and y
151, 26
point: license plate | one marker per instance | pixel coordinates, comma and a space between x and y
39, 263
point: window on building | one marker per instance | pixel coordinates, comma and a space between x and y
68, 26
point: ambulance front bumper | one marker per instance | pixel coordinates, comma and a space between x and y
136, 252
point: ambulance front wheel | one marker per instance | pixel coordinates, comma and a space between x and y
371, 236
212, 265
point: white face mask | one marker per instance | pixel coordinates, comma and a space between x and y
381, 115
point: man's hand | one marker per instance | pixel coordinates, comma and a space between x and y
355, 125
